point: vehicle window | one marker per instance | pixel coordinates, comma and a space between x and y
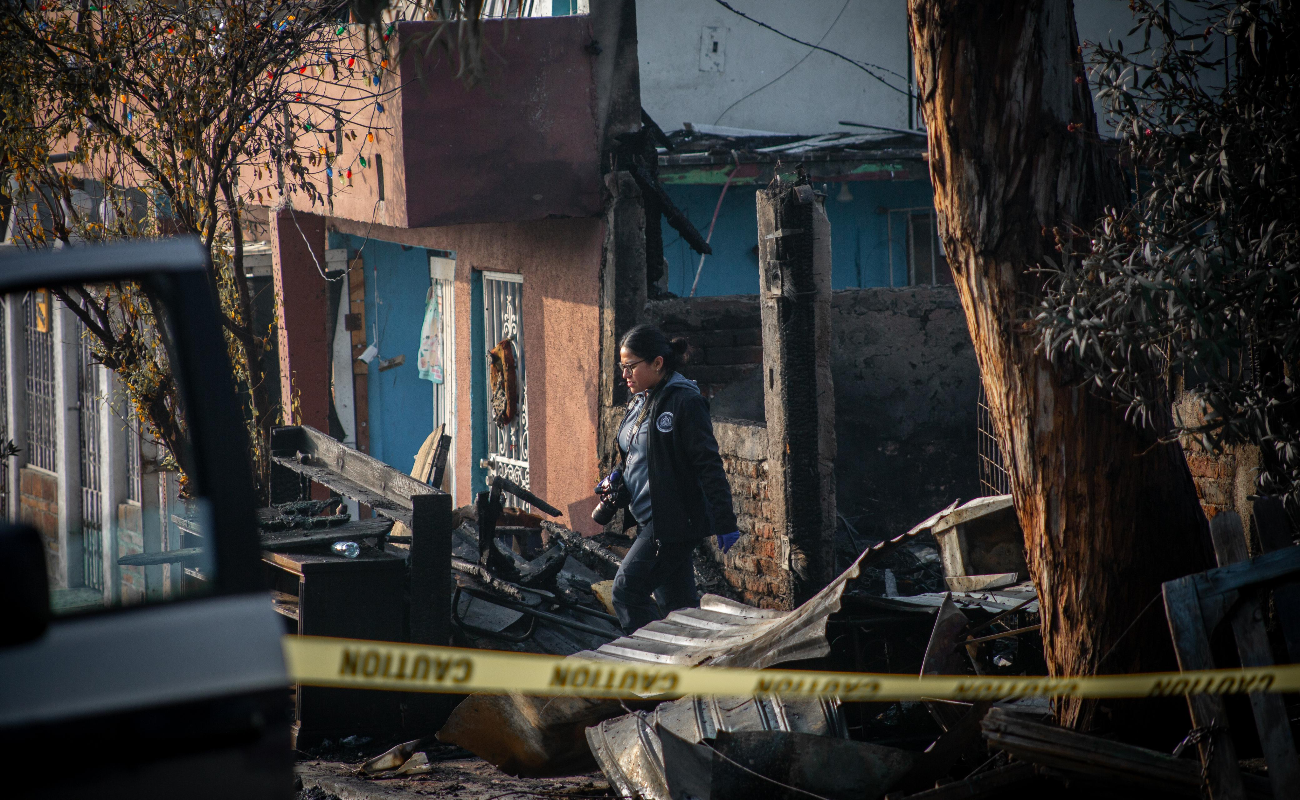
96, 453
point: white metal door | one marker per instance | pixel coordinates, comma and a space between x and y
503, 319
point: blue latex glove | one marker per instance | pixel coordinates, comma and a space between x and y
726, 540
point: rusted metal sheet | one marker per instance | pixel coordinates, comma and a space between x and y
631, 754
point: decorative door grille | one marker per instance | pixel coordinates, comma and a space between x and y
90, 399
994, 479
42, 441
503, 319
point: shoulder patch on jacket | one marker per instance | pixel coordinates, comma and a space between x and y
665, 422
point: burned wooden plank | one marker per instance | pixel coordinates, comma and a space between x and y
509, 486
1192, 647
680, 222
1261, 570
381, 504
288, 541
483, 576
440, 454
1247, 621
1080, 753
1275, 534
430, 591
588, 553
165, 557
288, 444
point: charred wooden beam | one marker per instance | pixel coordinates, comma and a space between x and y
590, 554
653, 189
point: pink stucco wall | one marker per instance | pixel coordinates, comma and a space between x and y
560, 260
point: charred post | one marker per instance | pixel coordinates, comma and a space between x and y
794, 239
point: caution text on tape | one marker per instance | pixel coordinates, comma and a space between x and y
320, 661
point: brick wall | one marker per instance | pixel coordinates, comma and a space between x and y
1224, 480
38, 505
755, 570
906, 384
725, 336
130, 541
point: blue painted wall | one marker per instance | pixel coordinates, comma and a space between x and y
401, 404
859, 236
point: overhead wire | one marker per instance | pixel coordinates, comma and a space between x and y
792, 68
865, 66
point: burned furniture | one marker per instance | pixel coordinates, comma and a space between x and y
324, 594
490, 572
981, 545
339, 596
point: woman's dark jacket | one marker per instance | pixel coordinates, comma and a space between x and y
690, 498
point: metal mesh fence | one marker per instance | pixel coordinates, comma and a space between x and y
42, 441
994, 479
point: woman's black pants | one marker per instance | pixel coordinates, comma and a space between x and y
653, 570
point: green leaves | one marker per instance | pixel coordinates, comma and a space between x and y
1198, 281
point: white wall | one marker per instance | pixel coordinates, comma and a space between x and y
680, 81
678, 85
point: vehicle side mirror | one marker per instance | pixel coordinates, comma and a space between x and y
24, 587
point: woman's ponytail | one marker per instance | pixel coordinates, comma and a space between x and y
649, 343
677, 356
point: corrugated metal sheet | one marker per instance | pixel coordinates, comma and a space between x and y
630, 752
725, 633
544, 736
993, 600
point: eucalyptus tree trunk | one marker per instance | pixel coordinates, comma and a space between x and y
1109, 510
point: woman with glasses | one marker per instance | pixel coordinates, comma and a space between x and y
678, 493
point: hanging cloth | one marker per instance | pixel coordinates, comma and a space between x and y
503, 374
429, 356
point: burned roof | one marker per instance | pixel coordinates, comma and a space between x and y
708, 154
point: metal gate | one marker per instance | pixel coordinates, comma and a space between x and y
503, 319
994, 479
42, 441
90, 398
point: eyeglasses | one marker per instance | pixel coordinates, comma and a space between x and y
626, 368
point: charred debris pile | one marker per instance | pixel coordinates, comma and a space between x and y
951, 596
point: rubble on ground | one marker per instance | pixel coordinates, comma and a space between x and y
912, 604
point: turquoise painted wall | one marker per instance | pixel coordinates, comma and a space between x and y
859, 236
401, 404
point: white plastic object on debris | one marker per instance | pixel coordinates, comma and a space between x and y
347, 549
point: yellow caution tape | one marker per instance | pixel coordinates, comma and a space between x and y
355, 663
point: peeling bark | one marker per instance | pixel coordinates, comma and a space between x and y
1109, 511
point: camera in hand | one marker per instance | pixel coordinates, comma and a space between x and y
613, 495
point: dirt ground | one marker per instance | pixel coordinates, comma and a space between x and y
466, 778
